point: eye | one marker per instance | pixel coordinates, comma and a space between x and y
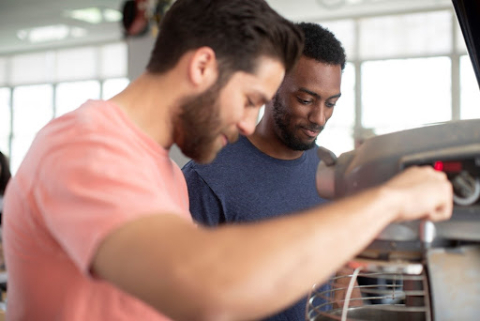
249, 103
303, 101
330, 105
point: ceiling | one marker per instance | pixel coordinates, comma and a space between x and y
19, 16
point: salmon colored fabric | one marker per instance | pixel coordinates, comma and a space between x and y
86, 174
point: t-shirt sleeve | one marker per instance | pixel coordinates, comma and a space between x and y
205, 205
88, 188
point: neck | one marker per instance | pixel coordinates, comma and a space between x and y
266, 140
150, 102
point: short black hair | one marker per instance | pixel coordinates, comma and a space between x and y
239, 31
322, 45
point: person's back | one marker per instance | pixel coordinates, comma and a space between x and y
51, 234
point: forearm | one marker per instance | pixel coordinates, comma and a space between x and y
242, 272
281, 259
238, 272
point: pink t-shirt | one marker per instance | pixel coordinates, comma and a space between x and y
86, 174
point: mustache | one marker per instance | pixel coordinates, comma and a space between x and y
314, 128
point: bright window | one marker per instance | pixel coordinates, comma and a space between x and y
337, 135
5, 119
111, 87
406, 93
32, 68
33, 108
77, 64
402, 35
470, 91
70, 96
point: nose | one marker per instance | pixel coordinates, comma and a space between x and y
317, 116
247, 124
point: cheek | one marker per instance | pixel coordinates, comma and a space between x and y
231, 108
329, 113
294, 108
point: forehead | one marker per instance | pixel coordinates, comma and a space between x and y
314, 75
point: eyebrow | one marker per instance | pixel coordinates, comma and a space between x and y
314, 94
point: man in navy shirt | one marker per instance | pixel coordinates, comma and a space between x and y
272, 172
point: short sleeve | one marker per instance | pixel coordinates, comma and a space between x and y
205, 205
88, 188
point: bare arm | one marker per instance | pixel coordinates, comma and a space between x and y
245, 272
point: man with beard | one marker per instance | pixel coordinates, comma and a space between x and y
272, 172
96, 219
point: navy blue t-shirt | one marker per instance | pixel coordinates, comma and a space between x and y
244, 184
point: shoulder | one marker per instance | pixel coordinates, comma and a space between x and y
225, 163
312, 156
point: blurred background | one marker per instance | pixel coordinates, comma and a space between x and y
407, 62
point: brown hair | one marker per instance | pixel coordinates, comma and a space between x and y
239, 31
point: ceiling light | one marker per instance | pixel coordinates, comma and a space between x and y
76, 32
91, 15
111, 15
22, 34
43, 34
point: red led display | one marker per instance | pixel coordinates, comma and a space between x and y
448, 167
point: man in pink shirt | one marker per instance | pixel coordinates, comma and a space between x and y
96, 219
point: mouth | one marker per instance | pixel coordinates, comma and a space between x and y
310, 133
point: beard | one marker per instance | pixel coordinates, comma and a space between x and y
199, 125
285, 129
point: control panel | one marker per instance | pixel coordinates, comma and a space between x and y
464, 174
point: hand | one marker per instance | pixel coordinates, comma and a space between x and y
422, 192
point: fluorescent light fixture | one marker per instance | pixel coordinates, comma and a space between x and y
91, 15
22, 34
77, 32
111, 15
50, 33
43, 34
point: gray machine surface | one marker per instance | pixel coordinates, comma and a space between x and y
421, 270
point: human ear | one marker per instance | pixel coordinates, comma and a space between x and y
203, 67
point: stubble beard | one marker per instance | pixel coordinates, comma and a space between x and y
199, 125
283, 121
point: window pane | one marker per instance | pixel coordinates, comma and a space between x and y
412, 34
113, 60
32, 68
70, 96
470, 92
3, 71
5, 120
20, 146
5, 112
401, 94
461, 46
77, 64
111, 87
344, 30
32, 109
337, 135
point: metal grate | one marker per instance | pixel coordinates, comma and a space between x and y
371, 296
